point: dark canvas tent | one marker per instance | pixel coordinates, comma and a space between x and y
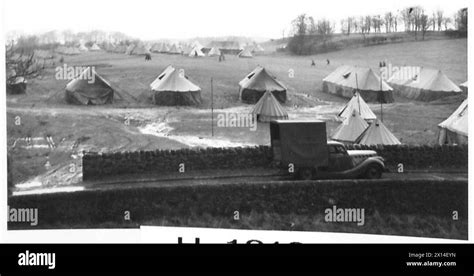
454, 130
346, 79
82, 91
268, 108
350, 129
377, 134
16, 85
426, 85
173, 87
257, 82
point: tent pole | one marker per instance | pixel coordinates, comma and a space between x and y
357, 91
212, 109
380, 97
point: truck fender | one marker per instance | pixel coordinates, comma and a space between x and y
362, 167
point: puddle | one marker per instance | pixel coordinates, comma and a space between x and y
33, 143
163, 130
49, 190
29, 184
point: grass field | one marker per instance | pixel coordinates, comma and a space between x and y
43, 111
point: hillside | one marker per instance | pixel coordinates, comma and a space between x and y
339, 41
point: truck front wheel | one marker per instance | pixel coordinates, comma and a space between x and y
373, 172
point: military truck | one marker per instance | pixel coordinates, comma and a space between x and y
302, 148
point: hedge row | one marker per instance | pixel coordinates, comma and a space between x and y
386, 197
106, 164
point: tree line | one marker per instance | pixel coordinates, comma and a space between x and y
415, 20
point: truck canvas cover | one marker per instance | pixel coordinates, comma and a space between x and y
303, 143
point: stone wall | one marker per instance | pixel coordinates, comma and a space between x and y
97, 165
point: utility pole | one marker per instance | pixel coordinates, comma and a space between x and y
358, 94
381, 96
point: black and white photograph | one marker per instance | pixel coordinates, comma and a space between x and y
312, 116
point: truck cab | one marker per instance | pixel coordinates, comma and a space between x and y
303, 146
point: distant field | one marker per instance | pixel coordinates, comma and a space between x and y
44, 111
133, 75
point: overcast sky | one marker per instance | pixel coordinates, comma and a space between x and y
179, 19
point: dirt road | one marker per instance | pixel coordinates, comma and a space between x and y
256, 176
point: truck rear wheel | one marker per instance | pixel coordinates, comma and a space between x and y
373, 172
305, 174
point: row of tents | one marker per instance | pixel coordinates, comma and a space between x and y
174, 87
193, 50
426, 85
76, 50
361, 126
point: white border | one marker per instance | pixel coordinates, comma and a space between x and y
207, 235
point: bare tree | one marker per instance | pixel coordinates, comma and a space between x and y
407, 18
424, 24
433, 21
395, 22
418, 14
325, 27
20, 64
461, 20
312, 28
300, 25
389, 22
377, 23
439, 19
368, 23
446, 22
347, 25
